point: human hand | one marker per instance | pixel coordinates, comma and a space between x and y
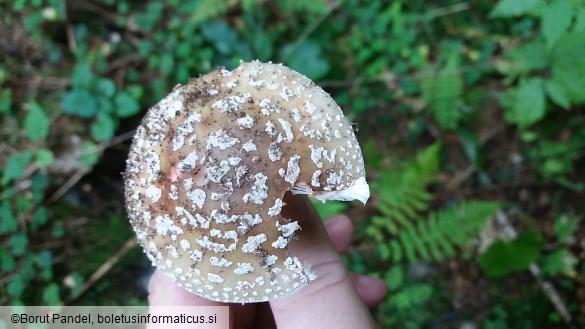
336, 299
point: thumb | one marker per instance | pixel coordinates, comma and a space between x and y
331, 301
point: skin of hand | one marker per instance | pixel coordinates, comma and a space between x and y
336, 299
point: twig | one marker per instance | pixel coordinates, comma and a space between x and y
549, 290
68, 185
105, 268
458, 7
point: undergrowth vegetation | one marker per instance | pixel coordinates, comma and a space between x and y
470, 113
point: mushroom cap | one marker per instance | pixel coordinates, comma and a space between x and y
209, 166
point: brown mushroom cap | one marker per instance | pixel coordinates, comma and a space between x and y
208, 169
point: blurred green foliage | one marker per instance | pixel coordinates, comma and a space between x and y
463, 108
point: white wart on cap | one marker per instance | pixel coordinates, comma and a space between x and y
208, 169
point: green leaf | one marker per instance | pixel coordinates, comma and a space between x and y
329, 208
105, 87
221, 35
512, 8
6, 100
442, 93
306, 58
557, 94
560, 261
16, 286
80, 102
88, 154
36, 123
18, 243
51, 295
8, 223
530, 56
82, 76
503, 258
44, 259
16, 166
103, 128
556, 19
525, 105
568, 69
564, 228
44, 157
7, 262
126, 105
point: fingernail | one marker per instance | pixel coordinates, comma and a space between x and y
367, 281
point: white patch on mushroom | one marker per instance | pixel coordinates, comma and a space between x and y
232, 103
220, 262
205, 243
316, 153
245, 122
165, 225
315, 178
267, 107
288, 229
171, 104
172, 251
212, 277
221, 139
189, 162
259, 190
248, 221
274, 152
174, 193
280, 243
276, 208
296, 114
153, 193
253, 243
287, 127
244, 268
186, 128
197, 197
293, 170
185, 244
270, 128
249, 146
270, 260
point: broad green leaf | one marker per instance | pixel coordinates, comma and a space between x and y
503, 258
560, 261
36, 123
44, 158
8, 223
16, 165
557, 94
530, 56
6, 261
221, 35
126, 105
512, 8
306, 58
525, 105
44, 259
82, 76
564, 228
568, 66
16, 286
88, 154
51, 294
105, 87
103, 128
18, 243
556, 19
80, 102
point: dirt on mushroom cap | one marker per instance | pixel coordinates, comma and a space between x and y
208, 169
